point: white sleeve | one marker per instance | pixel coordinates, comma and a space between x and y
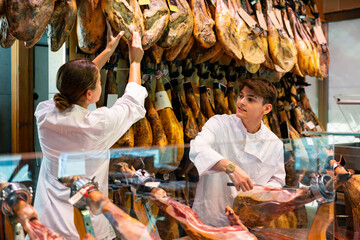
202, 153
278, 179
126, 111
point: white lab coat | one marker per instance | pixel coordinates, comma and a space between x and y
260, 155
79, 130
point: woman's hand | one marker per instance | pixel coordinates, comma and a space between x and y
135, 50
112, 41
241, 180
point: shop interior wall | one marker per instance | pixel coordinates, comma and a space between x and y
5, 100
344, 74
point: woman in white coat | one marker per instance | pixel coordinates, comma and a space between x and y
65, 125
236, 148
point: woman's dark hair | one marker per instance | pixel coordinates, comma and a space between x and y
261, 87
73, 79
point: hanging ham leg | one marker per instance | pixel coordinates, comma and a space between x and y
124, 16
178, 25
173, 52
2, 6
156, 18
61, 23
6, 39
191, 222
203, 24
226, 31
28, 19
186, 49
200, 54
90, 26
282, 49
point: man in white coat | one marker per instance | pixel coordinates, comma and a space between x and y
237, 148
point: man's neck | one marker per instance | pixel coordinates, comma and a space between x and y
252, 126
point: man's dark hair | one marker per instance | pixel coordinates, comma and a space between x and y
261, 87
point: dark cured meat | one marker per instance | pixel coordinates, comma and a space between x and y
28, 19
6, 39
203, 24
124, 16
178, 26
156, 18
191, 222
2, 6
61, 23
90, 26
226, 31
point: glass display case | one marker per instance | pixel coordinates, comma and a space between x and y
150, 192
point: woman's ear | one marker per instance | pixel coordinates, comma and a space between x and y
88, 94
268, 108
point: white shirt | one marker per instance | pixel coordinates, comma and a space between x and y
79, 130
260, 155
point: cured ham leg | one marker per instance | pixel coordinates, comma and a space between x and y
142, 133
226, 31
156, 18
261, 205
61, 23
351, 187
178, 25
123, 224
6, 39
28, 19
174, 51
26, 215
203, 24
124, 16
90, 26
191, 222
282, 49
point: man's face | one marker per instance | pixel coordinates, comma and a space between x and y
250, 106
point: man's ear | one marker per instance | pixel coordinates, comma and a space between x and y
268, 108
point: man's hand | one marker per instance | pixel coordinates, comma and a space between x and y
241, 180
135, 50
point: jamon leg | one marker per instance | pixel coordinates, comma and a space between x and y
261, 205
191, 222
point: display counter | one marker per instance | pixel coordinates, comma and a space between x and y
149, 192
